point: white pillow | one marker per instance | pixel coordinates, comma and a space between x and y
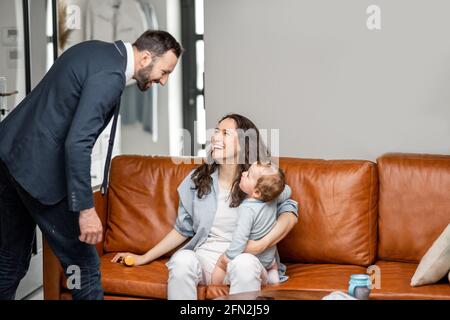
435, 264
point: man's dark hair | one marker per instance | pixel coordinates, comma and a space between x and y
158, 42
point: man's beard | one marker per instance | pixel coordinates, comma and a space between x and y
143, 77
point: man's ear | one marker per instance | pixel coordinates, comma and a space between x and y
146, 58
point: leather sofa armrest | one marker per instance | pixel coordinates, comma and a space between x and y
101, 206
53, 271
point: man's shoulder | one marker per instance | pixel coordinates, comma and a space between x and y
103, 53
89, 44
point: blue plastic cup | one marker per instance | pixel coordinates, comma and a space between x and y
358, 280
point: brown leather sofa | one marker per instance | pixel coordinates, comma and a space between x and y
353, 214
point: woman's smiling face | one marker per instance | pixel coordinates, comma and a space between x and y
225, 142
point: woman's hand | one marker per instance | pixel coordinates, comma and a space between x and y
256, 246
138, 260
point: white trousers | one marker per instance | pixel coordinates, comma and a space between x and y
187, 270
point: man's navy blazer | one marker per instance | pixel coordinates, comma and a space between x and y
46, 142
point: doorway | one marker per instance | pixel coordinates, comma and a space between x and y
26, 53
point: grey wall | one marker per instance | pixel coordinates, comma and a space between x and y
312, 69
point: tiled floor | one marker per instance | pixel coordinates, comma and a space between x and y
37, 295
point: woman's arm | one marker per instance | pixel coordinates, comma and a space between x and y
167, 244
283, 226
182, 230
172, 240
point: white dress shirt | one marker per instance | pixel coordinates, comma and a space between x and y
129, 72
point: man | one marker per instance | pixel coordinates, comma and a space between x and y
45, 154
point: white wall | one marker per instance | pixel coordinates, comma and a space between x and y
175, 85
11, 14
38, 41
13, 70
134, 139
312, 69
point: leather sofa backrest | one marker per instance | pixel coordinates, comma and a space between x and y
142, 201
414, 206
337, 206
337, 211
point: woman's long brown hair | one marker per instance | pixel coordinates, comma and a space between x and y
202, 175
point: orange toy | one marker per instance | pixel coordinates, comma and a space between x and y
128, 261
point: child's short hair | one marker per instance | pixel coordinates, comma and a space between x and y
271, 183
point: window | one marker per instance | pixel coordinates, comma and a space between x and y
194, 116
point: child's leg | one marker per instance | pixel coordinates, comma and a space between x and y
272, 274
217, 276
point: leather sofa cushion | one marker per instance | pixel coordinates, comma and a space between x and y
395, 284
395, 280
66, 295
337, 211
322, 277
147, 281
142, 201
414, 206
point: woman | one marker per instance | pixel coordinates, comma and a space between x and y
209, 197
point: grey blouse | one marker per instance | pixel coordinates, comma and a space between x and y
196, 216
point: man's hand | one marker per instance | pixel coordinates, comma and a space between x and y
90, 227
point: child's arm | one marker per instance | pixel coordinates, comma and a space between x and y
285, 223
242, 233
238, 243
